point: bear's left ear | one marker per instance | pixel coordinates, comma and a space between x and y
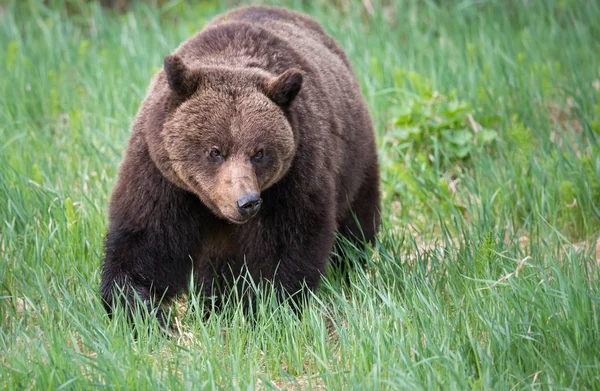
182, 80
284, 88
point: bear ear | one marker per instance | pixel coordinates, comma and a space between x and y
284, 88
182, 80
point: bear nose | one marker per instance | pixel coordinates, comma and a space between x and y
249, 205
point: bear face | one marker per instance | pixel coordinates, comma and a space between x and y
229, 138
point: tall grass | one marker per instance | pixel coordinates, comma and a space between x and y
485, 274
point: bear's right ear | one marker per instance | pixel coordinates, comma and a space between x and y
182, 80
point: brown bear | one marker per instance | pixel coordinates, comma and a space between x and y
252, 147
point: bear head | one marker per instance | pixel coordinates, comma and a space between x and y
228, 137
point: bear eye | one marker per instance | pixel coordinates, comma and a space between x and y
214, 152
258, 155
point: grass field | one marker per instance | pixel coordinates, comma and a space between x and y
486, 271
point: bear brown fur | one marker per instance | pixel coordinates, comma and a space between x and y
252, 147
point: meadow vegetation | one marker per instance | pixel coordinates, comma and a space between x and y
485, 273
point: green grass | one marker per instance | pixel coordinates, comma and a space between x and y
485, 275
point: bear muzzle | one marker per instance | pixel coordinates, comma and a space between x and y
249, 205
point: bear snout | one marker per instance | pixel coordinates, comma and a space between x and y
249, 205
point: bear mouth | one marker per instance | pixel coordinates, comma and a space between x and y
233, 217
238, 221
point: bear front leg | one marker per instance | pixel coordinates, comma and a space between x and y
153, 234
305, 255
143, 267
298, 233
